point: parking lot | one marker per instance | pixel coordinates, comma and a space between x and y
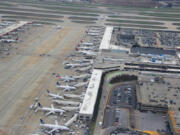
151, 121
122, 99
124, 96
146, 38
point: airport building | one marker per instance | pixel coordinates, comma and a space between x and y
89, 102
105, 43
12, 28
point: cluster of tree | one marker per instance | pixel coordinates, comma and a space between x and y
123, 78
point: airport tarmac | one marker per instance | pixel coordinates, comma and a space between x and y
28, 73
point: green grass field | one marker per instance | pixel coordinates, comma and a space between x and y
83, 22
83, 18
41, 22
134, 22
145, 18
139, 26
48, 11
140, 9
31, 18
177, 24
30, 14
162, 15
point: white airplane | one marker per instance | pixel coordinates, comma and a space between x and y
20, 29
81, 84
6, 37
86, 48
66, 64
36, 24
9, 40
62, 102
73, 96
3, 24
70, 108
77, 65
82, 60
50, 110
112, 59
88, 53
73, 119
93, 34
13, 33
53, 127
83, 76
96, 28
84, 69
54, 96
66, 78
94, 31
65, 87
88, 44
58, 27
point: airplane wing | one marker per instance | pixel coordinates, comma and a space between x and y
56, 122
51, 131
49, 113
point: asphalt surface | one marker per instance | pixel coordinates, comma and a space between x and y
122, 97
22, 74
149, 50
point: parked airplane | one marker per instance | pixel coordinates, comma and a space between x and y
83, 76
65, 87
72, 65
84, 69
86, 48
112, 59
66, 78
81, 84
62, 102
73, 96
52, 128
73, 119
94, 31
93, 34
88, 53
70, 108
13, 33
82, 60
88, 44
97, 28
58, 27
54, 96
6, 37
36, 24
20, 29
9, 40
50, 110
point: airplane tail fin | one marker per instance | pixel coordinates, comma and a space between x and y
41, 121
61, 113
58, 83
39, 105
48, 91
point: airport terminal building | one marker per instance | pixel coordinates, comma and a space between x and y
89, 102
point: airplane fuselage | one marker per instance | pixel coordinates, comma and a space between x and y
51, 126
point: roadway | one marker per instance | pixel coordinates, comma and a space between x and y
25, 74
